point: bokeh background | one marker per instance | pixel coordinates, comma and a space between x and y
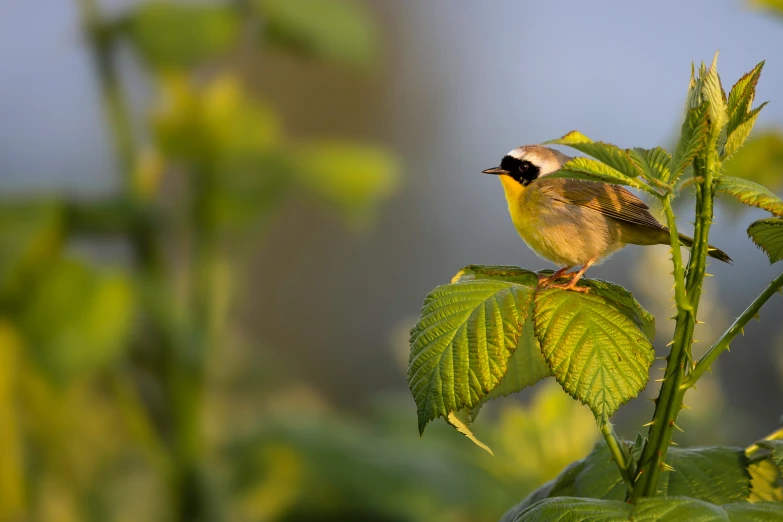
218, 222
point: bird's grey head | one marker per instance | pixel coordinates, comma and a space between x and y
529, 162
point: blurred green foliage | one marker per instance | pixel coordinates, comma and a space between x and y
106, 390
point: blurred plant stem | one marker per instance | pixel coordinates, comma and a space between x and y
187, 347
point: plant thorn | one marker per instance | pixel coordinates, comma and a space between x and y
673, 443
685, 406
666, 467
670, 343
648, 424
660, 380
699, 322
675, 425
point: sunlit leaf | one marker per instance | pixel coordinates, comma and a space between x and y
625, 301
767, 234
462, 343
176, 35
593, 170
77, 319
692, 138
341, 30
461, 421
712, 91
737, 136
353, 178
595, 350
742, 95
765, 482
655, 163
750, 193
606, 153
740, 116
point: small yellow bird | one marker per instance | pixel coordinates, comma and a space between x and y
572, 222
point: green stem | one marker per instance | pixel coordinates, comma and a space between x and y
736, 328
669, 401
679, 267
616, 449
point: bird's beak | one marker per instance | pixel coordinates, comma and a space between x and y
495, 170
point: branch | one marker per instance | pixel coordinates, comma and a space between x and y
725, 340
679, 269
615, 448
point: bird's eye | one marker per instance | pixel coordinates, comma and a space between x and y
524, 166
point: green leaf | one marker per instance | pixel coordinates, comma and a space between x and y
737, 136
78, 319
776, 452
692, 138
750, 193
655, 509
756, 512
592, 170
567, 509
176, 35
526, 366
511, 274
462, 344
352, 178
712, 91
595, 350
608, 154
461, 421
743, 92
767, 234
340, 30
625, 301
717, 474
655, 163
741, 97
765, 482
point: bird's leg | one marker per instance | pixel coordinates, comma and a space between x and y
546, 281
576, 277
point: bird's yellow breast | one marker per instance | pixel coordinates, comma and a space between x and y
566, 234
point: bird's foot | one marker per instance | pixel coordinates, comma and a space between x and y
544, 281
569, 286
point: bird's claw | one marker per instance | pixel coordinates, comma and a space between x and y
569, 286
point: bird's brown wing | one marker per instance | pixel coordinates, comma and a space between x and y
611, 200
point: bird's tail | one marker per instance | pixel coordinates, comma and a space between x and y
712, 251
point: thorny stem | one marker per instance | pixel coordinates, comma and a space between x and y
736, 328
616, 449
669, 401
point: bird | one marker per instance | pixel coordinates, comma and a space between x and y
574, 223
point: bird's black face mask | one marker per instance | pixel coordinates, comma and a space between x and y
522, 171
